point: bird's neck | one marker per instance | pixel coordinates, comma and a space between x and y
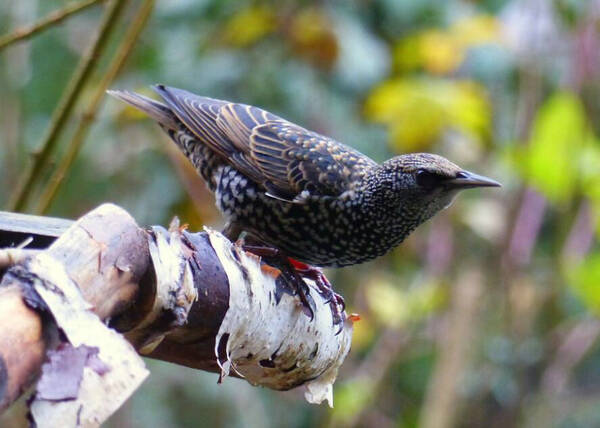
393, 206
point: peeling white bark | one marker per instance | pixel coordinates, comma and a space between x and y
100, 395
276, 344
175, 290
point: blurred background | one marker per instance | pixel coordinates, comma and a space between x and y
485, 317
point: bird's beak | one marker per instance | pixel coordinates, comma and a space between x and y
468, 180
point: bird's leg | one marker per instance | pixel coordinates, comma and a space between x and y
291, 274
336, 301
297, 270
232, 231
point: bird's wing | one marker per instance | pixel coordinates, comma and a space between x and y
284, 158
296, 160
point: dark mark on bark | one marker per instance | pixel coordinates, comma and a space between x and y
313, 354
274, 354
222, 349
79, 414
267, 363
289, 369
3, 379
26, 279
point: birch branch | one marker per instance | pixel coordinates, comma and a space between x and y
193, 299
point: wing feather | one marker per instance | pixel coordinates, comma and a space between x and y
284, 158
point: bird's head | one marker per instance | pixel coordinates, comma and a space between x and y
427, 183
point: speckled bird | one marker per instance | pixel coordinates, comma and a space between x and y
318, 200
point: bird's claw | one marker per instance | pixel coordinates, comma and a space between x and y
295, 273
292, 276
333, 299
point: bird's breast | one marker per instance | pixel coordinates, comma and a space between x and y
322, 230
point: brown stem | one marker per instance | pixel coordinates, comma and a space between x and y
442, 400
573, 348
526, 229
66, 104
51, 19
120, 57
581, 235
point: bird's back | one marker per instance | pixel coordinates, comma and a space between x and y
282, 158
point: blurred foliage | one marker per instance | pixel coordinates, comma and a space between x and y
507, 88
418, 110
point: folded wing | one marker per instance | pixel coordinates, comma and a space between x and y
284, 158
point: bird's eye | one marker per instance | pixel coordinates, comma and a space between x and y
427, 179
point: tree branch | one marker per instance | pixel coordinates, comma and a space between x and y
123, 51
66, 104
193, 299
53, 18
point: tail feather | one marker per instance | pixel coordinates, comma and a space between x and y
156, 110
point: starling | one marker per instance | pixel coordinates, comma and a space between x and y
317, 200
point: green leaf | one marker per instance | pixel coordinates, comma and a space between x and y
559, 132
584, 280
398, 307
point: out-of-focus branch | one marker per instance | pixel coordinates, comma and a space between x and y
51, 19
372, 373
526, 228
575, 345
442, 400
131, 36
65, 105
581, 236
577, 342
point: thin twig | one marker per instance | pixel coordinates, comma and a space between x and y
66, 104
53, 18
527, 228
120, 57
443, 401
581, 236
574, 346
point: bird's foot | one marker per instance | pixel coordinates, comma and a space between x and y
336, 301
290, 273
295, 271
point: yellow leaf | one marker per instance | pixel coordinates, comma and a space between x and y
470, 109
363, 332
249, 26
440, 53
476, 30
397, 307
407, 54
312, 37
417, 111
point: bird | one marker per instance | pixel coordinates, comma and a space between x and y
317, 200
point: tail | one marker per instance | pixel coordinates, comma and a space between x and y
156, 110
